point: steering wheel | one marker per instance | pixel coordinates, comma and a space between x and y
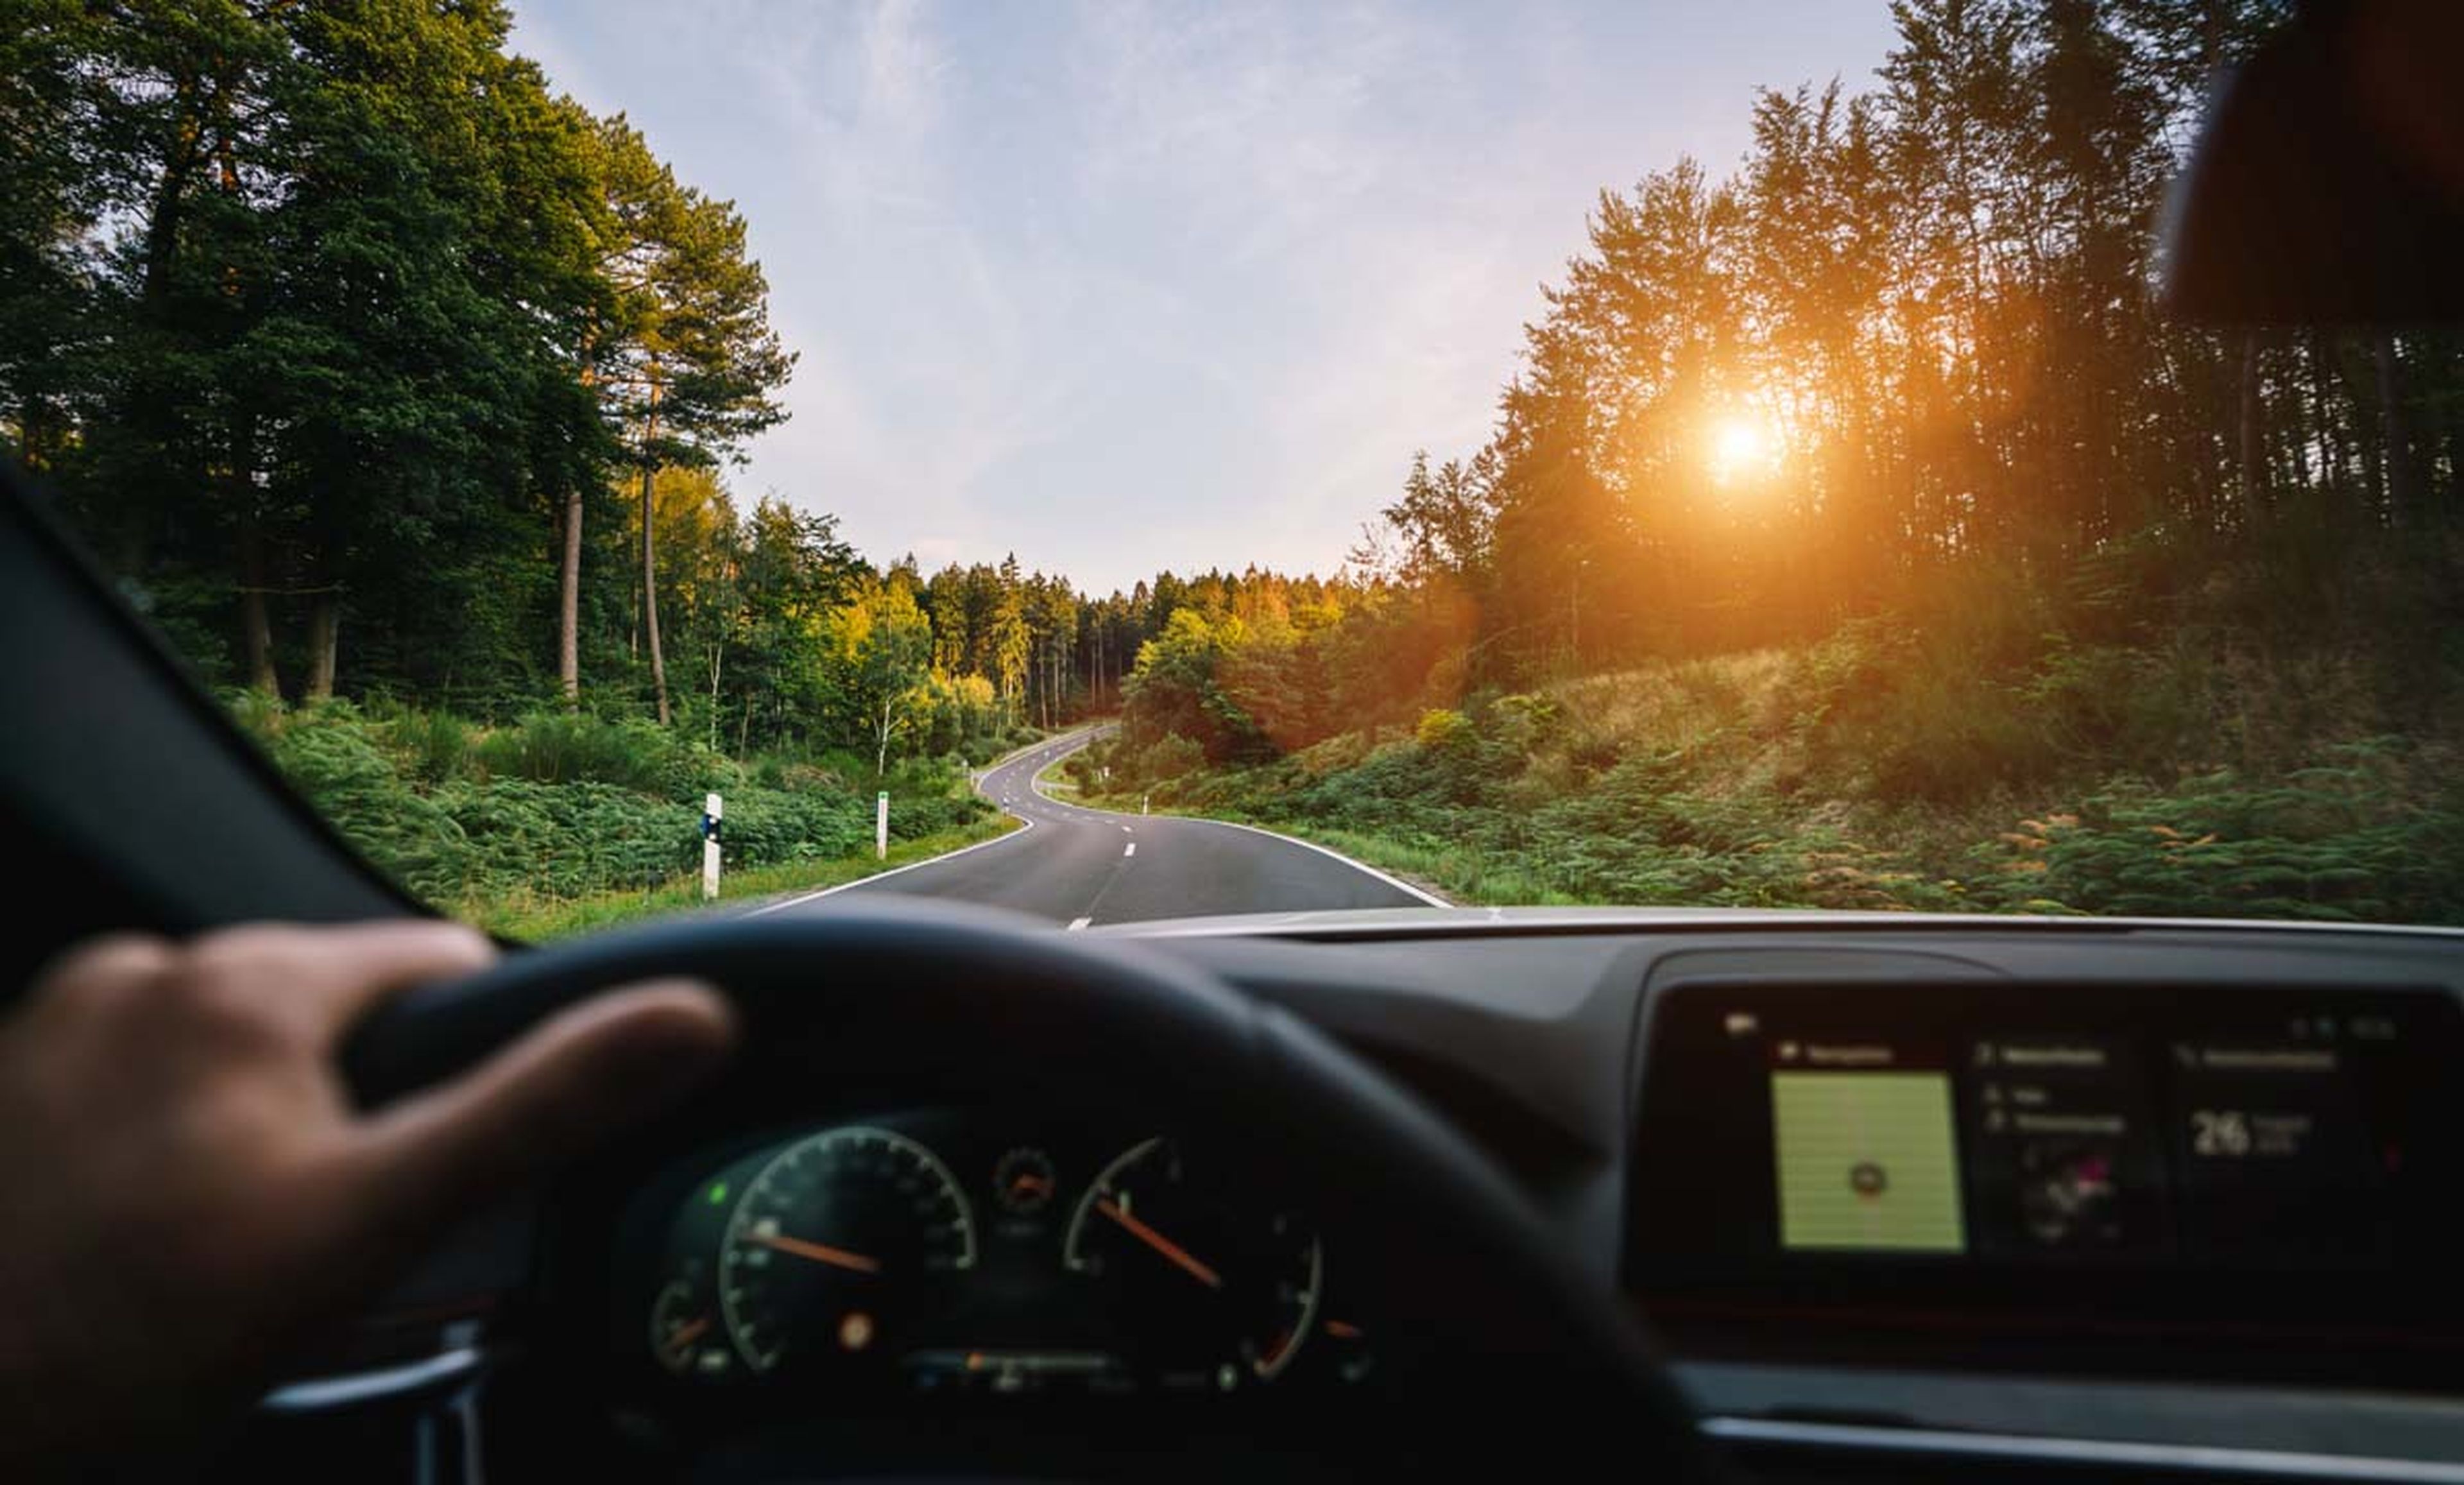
1536, 1359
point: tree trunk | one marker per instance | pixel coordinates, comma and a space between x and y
2451, 434
2326, 422
718, 655
2253, 435
568, 604
2395, 436
651, 596
165, 215
256, 625
324, 639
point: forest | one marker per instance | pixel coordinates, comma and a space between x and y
381, 369
400, 391
1855, 529
1859, 531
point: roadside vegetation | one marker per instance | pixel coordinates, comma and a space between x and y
535, 919
558, 822
1859, 531
2011, 750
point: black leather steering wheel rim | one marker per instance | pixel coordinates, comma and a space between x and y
984, 987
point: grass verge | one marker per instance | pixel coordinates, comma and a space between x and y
1460, 876
534, 919
1053, 782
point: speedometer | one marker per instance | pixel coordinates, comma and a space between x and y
834, 1243
1215, 1290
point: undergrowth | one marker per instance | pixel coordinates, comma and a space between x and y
2151, 738
562, 807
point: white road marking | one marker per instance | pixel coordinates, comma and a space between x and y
1309, 845
1132, 851
1126, 830
1025, 826
1077, 923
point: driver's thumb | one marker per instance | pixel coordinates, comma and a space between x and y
569, 1083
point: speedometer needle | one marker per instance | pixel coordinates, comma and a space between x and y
1160, 1244
819, 1253
688, 1333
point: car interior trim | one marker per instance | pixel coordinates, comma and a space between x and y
402, 1381
2076, 1453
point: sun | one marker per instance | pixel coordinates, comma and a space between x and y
1741, 446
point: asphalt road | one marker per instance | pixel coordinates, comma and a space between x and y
1084, 867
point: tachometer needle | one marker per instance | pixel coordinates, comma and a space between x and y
819, 1253
1160, 1244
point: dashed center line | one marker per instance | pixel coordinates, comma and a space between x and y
1077, 923
1132, 851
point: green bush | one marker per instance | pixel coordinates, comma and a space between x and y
437, 746
1168, 757
455, 822
574, 747
331, 757
1442, 730
2362, 835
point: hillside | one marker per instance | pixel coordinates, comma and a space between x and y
1998, 750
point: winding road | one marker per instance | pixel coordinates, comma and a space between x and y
1082, 867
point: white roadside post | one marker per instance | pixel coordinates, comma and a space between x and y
881, 825
709, 818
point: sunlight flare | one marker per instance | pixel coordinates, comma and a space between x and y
1742, 445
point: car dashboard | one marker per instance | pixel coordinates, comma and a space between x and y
1000, 1249
1908, 1197
1962, 1195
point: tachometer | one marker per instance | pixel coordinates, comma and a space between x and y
834, 1244
1215, 1290
684, 1325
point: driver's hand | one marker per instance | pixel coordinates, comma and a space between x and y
186, 1189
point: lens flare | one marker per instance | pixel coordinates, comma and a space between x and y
1741, 446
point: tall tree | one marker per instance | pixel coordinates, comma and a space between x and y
694, 367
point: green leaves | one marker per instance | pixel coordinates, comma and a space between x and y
685, 353
561, 805
2373, 833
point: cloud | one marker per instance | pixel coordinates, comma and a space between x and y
1122, 284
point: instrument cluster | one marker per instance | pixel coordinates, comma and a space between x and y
941, 1250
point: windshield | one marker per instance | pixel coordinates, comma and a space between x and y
1719, 454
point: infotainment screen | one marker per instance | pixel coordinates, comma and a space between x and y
2102, 1128
1862, 1150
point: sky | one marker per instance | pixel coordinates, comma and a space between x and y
1121, 287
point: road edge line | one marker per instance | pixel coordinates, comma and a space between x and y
976, 778
1024, 825
1426, 896
976, 784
